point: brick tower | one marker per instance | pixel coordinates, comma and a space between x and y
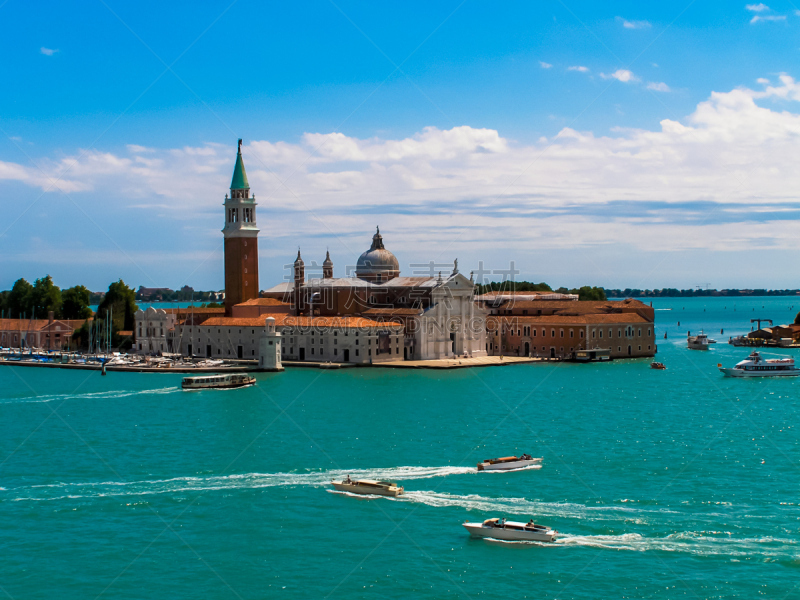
241, 240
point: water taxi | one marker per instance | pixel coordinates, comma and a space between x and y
658, 365
367, 486
213, 382
756, 366
500, 529
699, 342
507, 462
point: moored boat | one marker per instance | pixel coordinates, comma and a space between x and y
500, 529
756, 366
211, 382
507, 463
699, 342
368, 486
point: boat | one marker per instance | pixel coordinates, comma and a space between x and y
756, 366
507, 462
368, 486
699, 342
500, 529
593, 355
658, 365
212, 382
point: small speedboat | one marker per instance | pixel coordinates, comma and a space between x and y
699, 342
657, 365
507, 463
212, 382
367, 486
500, 529
756, 366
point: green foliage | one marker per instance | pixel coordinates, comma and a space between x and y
513, 286
80, 337
20, 300
120, 300
797, 319
4, 303
46, 297
590, 293
212, 305
585, 293
75, 303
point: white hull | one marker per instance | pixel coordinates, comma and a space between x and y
512, 535
506, 466
366, 490
730, 372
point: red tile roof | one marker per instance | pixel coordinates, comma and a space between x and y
284, 320
263, 302
590, 319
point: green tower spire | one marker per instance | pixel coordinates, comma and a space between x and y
239, 181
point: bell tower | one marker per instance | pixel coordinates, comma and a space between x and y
241, 239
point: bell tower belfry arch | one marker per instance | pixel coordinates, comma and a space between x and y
241, 239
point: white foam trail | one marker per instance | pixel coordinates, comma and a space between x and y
690, 542
527, 507
106, 395
228, 482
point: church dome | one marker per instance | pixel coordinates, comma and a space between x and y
377, 264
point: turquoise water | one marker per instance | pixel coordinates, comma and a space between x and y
665, 484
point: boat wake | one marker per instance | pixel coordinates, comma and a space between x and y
105, 395
179, 485
523, 506
697, 544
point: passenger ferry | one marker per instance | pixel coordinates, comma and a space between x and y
755, 366
367, 486
213, 382
507, 462
513, 531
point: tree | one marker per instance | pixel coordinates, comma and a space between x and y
121, 301
75, 303
4, 303
20, 299
590, 293
797, 319
46, 297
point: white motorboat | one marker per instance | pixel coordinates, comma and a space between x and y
756, 366
507, 463
699, 342
208, 382
500, 529
368, 486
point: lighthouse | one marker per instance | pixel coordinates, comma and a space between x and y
241, 239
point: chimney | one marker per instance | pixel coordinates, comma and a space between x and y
50, 316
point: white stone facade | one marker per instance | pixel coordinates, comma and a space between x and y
151, 331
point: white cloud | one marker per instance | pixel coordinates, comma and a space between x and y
579, 69
544, 65
759, 18
622, 75
633, 24
718, 179
757, 7
762, 81
138, 149
48, 51
658, 87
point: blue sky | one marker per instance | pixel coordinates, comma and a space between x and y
525, 132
